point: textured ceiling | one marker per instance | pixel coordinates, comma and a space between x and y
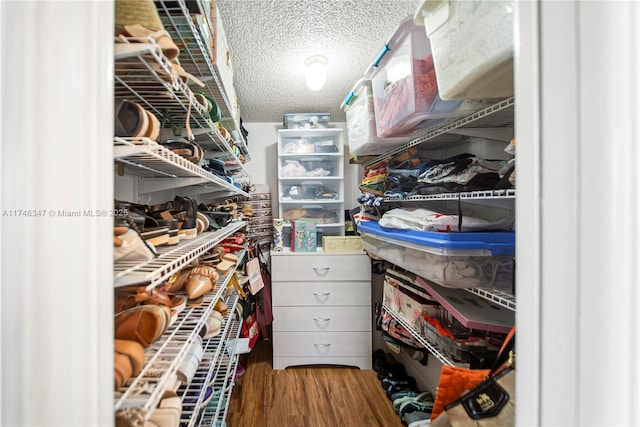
270, 39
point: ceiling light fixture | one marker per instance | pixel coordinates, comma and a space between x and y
315, 71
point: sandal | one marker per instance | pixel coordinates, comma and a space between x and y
131, 120
161, 37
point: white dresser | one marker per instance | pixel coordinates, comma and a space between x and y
321, 309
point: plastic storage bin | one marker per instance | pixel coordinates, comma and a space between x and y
458, 260
405, 89
306, 120
472, 44
361, 123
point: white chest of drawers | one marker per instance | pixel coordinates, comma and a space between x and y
321, 308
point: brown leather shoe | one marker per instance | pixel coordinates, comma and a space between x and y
144, 323
134, 351
121, 369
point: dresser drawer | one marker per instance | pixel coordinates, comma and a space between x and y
345, 318
314, 267
321, 344
321, 293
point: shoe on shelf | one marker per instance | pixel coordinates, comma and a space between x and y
133, 351
189, 228
131, 120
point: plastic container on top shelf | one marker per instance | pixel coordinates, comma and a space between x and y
405, 89
481, 260
472, 44
361, 123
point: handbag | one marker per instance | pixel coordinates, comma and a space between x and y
491, 402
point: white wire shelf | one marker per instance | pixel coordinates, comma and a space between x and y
223, 379
195, 59
170, 259
163, 357
213, 372
498, 115
496, 296
421, 339
141, 71
507, 194
160, 167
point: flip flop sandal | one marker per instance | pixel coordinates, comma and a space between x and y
161, 37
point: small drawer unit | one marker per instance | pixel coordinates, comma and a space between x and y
322, 309
311, 177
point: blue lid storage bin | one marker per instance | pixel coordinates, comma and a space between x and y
482, 260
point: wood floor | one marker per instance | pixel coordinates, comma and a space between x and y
307, 397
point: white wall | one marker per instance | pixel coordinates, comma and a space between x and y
263, 139
56, 280
578, 240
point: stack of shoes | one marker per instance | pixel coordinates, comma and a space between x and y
260, 227
414, 409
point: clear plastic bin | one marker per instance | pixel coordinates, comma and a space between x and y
455, 260
361, 123
472, 44
405, 89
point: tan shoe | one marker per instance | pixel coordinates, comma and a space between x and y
134, 351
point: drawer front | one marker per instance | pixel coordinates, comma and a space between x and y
321, 344
321, 293
315, 319
308, 268
362, 362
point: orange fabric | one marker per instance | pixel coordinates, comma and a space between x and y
453, 383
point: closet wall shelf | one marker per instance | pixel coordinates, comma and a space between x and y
159, 167
171, 259
496, 296
164, 356
213, 370
422, 340
498, 115
507, 194
147, 77
195, 59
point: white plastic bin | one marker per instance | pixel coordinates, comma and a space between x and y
405, 89
361, 123
472, 43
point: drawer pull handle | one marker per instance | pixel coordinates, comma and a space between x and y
321, 268
322, 294
322, 345
321, 319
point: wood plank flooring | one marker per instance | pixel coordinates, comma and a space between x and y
307, 397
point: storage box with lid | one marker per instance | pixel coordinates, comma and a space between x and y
306, 120
459, 260
361, 123
472, 44
337, 244
405, 90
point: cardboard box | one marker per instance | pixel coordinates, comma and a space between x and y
303, 236
342, 244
